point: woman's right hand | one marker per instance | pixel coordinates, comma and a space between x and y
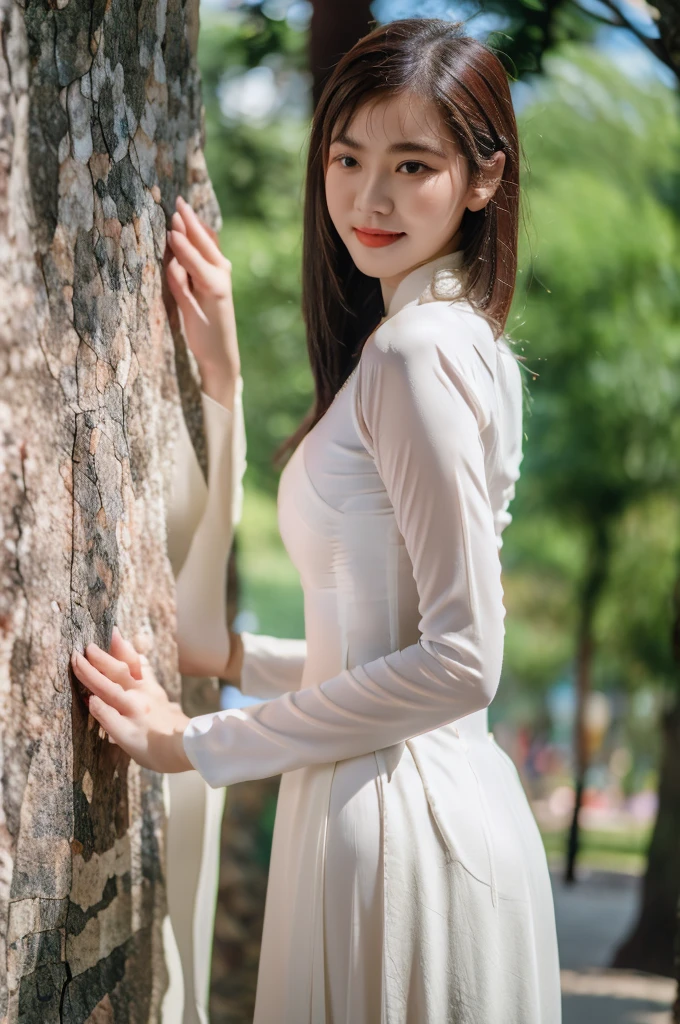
199, 278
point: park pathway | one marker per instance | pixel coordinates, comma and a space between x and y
592, 917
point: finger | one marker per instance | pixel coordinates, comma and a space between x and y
144, 643
110, 720
178, 279
197, 233
179, 284
124, 651
177, 224
211, 231
113, 668
185, 298
201, 270
98, 683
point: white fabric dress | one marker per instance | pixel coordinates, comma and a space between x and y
408, 882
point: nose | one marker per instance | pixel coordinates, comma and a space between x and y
373, 195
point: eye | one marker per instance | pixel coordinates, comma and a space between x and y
414, 164
341, 158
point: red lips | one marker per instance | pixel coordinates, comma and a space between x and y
375, 238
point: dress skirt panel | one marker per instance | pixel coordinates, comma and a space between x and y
451, 953
290, 981
404, 893
353, 894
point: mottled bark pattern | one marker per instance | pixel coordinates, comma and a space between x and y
100, 127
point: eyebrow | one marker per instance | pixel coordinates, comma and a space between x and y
397, 147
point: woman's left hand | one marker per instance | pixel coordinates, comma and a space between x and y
132, 706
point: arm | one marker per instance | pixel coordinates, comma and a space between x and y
511, 433
271, 665
422, 399
200, 525
201, 522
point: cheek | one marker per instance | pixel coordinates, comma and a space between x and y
338, 195
434, 200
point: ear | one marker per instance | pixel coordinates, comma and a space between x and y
480, 193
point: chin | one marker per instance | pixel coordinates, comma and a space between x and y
379, 262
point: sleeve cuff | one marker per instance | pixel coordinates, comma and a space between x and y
208, 753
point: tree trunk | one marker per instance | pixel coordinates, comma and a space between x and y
649, 947
596, 574
101, 127
668, 25
332, 35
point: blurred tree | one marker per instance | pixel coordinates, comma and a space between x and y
533, 28
331, 37
603, 433
650, 944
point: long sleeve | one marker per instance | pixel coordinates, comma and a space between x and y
511, 397
423, 399
271, 665
201, 521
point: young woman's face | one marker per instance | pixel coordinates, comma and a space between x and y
397, 169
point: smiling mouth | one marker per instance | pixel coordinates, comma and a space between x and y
375, 238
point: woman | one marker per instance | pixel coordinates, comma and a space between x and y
408, 881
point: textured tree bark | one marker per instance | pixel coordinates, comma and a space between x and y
100, 127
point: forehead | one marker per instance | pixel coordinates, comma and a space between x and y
403, 116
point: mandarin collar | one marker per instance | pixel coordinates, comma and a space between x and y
441, 278
420, 278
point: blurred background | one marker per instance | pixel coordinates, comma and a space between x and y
589, 703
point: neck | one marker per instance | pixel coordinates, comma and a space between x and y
388, 285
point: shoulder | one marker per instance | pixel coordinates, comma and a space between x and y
435, 331
445, 340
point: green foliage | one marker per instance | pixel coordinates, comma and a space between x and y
599, 310
256, 171
624, 851
602, 295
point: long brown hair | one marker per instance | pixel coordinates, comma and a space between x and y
468, 84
